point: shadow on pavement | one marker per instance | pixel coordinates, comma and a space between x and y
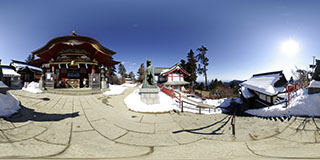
214, 132
44, 99
27, 114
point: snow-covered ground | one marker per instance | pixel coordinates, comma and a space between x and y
167, 104
223, 102
194, 98
32, 87
8, 105
134, 103
303, 104
117, 89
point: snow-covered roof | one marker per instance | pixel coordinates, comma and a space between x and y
314, 84
158, 70
9, 72
21, 65
246, 93
265, 83
175, 67
176, 83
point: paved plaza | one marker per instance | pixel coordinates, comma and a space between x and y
51, 126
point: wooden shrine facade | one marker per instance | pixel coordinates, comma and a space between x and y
73, 62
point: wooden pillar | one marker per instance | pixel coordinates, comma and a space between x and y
93, 69
52, 68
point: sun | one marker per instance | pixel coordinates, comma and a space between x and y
290, 47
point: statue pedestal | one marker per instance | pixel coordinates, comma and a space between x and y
314, 87
149, 95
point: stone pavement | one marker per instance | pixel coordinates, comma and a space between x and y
51, 126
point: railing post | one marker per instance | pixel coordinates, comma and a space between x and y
181, 106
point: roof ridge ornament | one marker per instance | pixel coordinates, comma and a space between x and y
74, 33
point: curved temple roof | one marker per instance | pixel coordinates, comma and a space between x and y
77, 43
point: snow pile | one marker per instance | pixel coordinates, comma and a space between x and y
129, 84
32, 87
8, 105
134, 103
314, 84
223, 102
118, 89
115, 90
302, 105
194, 98
167, 104
2, 85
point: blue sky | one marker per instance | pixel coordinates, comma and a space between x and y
243, 37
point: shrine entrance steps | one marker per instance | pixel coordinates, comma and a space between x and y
74, 91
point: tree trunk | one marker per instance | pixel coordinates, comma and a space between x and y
205, 77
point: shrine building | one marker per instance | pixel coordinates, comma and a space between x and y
73, 61
171, 77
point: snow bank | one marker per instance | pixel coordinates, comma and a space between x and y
223, 102
8, 105
134, 103
302, 105
115, 90
2, 85
129, 84
194, 98
167, 104
118, 89
32, 87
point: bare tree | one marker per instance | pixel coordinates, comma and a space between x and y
302, 76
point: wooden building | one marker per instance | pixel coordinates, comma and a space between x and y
263, 89
172, 77
28, 72
73, 62
10, 77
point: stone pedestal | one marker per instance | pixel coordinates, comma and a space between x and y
149, 95
103, 84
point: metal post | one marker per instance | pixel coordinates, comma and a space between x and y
233, 123
181, 106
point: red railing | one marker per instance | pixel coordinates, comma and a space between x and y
291, 88
171, 92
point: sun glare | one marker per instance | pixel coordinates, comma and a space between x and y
290, 47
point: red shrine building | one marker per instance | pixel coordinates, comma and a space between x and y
171, 77
73, 62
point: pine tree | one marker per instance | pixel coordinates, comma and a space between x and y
202, 68
191, 68
132, 76
29, 58
122, 72
141, 72
110, 73
183, 64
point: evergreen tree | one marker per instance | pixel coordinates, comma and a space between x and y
122, 72
202, 68
183, 64
110, 73
191, 68
29, 58
141, 72
132, 76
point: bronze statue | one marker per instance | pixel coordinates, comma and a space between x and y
316, 74
148, 81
